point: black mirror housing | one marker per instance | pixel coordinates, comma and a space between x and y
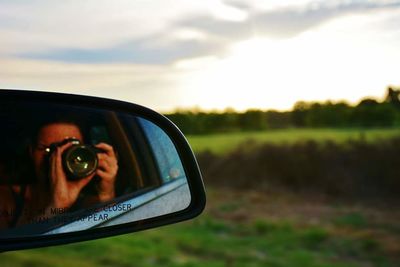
127, 122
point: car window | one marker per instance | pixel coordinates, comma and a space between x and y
165, 153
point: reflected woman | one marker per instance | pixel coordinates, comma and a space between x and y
53, 191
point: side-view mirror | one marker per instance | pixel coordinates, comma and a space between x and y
76, 168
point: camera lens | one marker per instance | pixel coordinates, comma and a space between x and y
80, 161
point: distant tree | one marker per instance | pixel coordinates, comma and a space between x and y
368, 102
392, 96
277, 119
253, 120
369, 114
299, 113
328, 114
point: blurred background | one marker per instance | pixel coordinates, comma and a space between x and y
291, 107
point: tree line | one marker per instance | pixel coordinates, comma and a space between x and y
367, 113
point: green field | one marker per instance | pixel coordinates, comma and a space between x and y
243, 229
251, 228
222, 143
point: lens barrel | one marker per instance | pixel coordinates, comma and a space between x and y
80, 161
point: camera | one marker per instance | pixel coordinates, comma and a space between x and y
79, 160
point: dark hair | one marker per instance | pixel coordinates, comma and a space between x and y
58, 117
21, 124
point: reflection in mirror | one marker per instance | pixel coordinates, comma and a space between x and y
65, 169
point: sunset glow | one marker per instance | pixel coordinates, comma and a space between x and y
210, 55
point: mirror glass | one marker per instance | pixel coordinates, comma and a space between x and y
68, 168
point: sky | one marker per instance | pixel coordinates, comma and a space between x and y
209, 54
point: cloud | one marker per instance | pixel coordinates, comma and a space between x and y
138, 51
160, 46
284, 22
44, 25
287, 23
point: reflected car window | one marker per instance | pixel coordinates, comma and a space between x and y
165, 153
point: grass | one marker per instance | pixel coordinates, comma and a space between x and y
352, 219
215, 240
226, 142
210, 242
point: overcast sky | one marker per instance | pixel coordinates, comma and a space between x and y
208, 54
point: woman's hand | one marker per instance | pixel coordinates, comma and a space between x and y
107, 172
64, 192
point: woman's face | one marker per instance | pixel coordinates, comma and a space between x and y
47, 135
